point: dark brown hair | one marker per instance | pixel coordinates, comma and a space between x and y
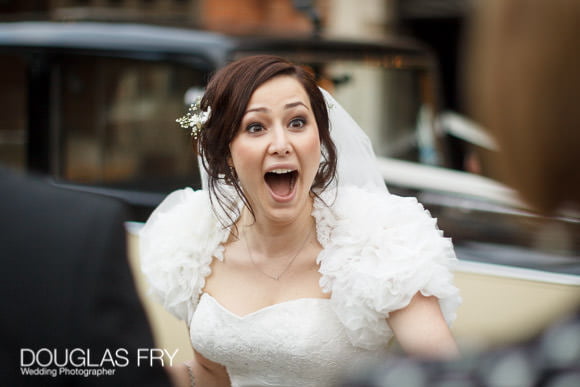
228, 94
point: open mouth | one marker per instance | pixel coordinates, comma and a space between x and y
281, 181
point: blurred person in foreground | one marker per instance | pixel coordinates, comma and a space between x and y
523, 85
69, 305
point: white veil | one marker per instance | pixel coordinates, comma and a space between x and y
356, 160
357, 163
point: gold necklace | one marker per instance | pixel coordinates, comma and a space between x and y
276, 277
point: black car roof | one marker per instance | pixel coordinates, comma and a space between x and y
219, 48
113, 37
335, 48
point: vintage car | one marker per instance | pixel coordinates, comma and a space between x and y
92, 107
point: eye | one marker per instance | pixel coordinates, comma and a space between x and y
297, 123
254, 127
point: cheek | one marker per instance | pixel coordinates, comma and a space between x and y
312, 153
243, 158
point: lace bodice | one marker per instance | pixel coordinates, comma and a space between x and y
295, 343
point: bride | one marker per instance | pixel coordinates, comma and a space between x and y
294, 260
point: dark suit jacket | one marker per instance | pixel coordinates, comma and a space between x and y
65, 284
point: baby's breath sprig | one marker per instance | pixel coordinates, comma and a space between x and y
195, 118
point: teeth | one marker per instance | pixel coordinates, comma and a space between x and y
281, 171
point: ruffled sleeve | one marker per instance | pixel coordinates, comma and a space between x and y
177, 245
379, 251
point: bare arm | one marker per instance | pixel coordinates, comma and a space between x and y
422, 331
205, 372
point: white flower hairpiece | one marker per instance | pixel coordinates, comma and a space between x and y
195, 118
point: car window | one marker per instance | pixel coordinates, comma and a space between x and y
385, 101
13, 120
117, 121
492, 233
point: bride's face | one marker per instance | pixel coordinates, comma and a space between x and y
276, 151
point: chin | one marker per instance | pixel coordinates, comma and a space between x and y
290, 211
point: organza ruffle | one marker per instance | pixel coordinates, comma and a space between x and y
379, 251
176, 248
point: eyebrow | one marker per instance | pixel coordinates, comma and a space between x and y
294, 104
287, 106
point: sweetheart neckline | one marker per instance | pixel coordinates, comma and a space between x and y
265, 308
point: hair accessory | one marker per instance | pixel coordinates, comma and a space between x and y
195, 118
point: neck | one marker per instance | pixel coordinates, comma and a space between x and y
276, 239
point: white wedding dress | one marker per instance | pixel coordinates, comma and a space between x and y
379, 250
294, 343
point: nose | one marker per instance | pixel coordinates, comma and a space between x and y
280, 143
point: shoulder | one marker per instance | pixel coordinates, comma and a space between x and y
183, 216
382, 218
355, 204
179, 210
177, 244
379, 251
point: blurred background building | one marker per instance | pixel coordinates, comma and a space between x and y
435, 23
438, 23
122, 90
